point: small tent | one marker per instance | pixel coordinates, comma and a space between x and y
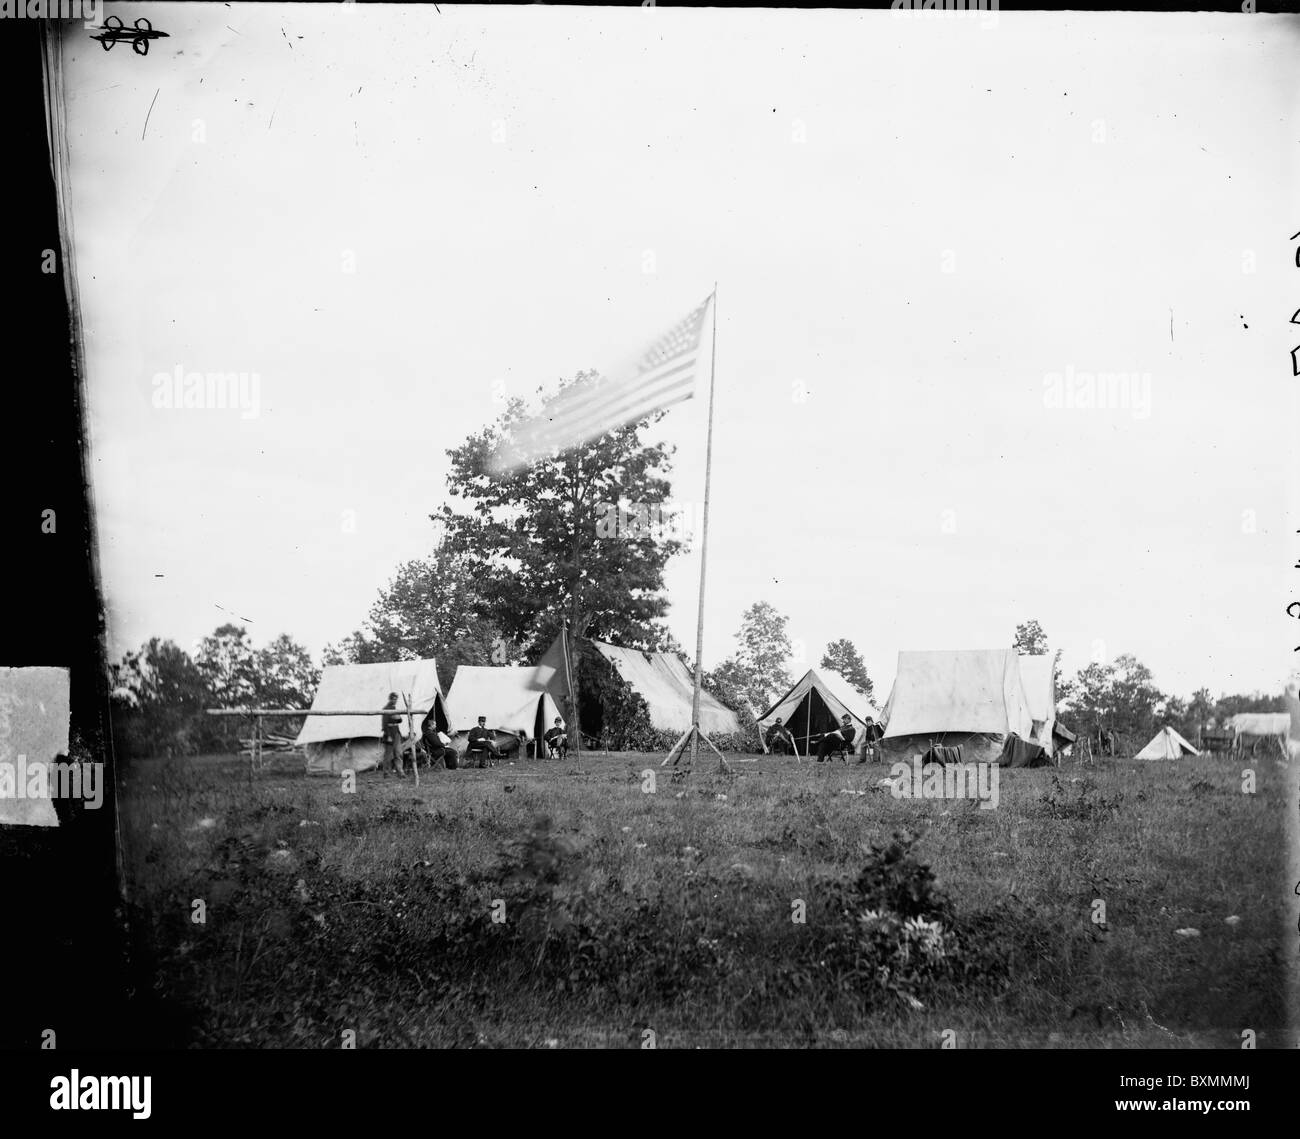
968, 698
1167, 744
1039, 676
814, 706
508, 696
662, 680
340, 743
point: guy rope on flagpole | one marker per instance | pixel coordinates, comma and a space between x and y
693, 733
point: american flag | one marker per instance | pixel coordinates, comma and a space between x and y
664, 375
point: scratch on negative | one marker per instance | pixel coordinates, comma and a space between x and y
150, 112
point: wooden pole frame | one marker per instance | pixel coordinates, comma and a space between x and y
256, 752
410, 728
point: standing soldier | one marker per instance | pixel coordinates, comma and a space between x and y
391, 730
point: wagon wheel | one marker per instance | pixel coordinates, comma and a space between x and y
108, 23
140, 46
143, 25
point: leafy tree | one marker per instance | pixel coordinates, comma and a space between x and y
1199, 713
160, 694
286, 676
228, 662
1030, 639
1173, 711
730, 684
757, 673
1119, 697
158, 699
665, 642
841, 656
726, 683
575, 536
1228, 706
433, 607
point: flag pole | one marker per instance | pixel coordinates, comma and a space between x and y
704, 542
573, 695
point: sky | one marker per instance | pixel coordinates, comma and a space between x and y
929, 236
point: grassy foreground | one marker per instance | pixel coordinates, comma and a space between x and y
557, 904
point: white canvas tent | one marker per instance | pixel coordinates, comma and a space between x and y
973, 698
339, 743
666, 685
1167, 744
662, 680
508, 696
1039, 678
815, 704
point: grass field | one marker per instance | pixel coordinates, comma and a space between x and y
561, 904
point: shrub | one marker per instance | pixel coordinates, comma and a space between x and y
1079, 801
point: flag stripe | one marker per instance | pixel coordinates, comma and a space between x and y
618, 405
609, 392
662, 377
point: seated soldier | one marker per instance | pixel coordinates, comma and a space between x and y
871, 735
557, 740
840, 740
391, 731
437, 745
482, 743
779, 740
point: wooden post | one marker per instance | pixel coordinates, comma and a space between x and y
704, 542
256, 756
573, 694
410, 727
676, 753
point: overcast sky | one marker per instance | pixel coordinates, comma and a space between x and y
395, 216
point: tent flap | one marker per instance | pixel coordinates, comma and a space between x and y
508, 696
662, 680
833, 693
365, 687
977, 691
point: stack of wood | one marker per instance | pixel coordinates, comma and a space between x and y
270, 742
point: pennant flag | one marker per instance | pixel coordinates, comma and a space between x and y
663, 375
